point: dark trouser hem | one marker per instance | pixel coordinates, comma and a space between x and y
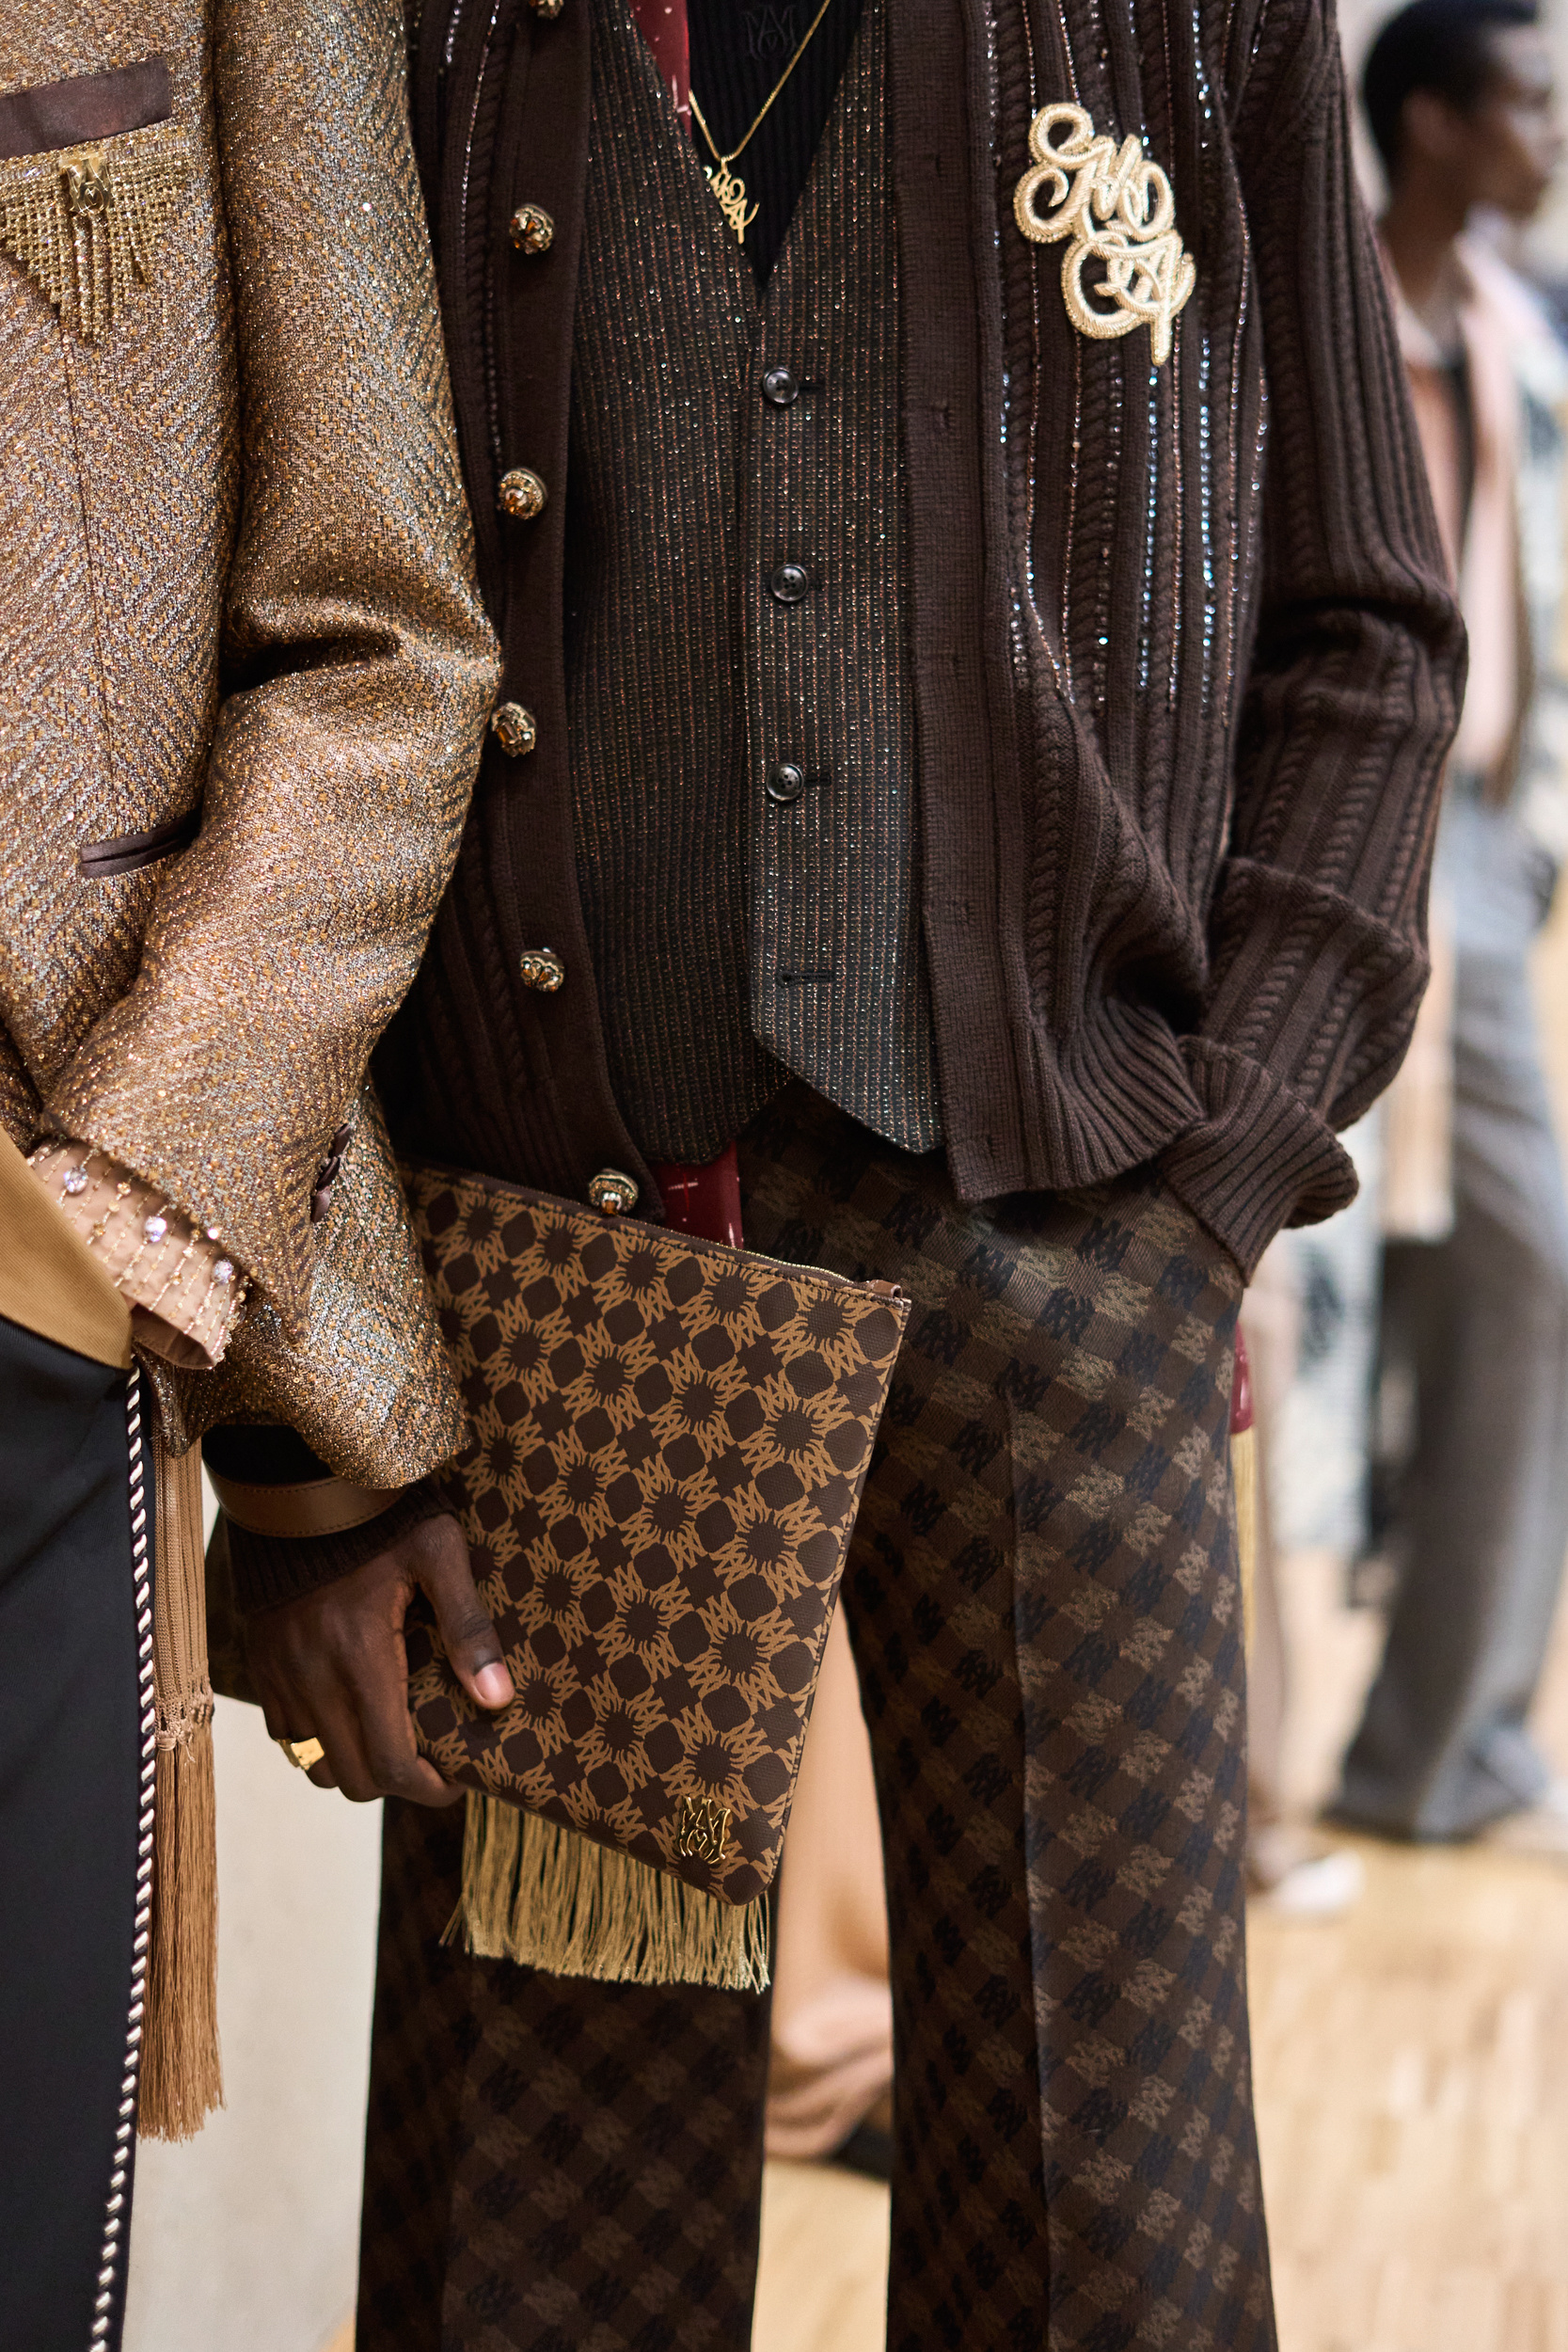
1477, 1792
1042, 1597
70, 1778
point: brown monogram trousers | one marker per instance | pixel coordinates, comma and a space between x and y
1042, 1597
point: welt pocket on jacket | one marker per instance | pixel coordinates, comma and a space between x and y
126, 852
85, 108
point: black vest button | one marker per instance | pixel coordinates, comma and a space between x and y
780, 387
789, 584
785, 781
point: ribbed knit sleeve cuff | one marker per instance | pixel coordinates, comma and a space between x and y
271, 1569
1262, 1158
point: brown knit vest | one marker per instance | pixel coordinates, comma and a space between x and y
742, 735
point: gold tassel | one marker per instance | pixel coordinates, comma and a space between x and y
1243, 1473
182, 2077
549, 1899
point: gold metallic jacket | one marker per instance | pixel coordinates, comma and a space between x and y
244, 671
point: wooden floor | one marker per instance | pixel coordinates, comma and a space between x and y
824, 2261
1412, 2067
1412, 2102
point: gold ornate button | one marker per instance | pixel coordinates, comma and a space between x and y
614, 1192
513, 729
533, 229
542, 968
522, 494
547, 7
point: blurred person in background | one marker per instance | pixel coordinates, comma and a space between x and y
1475, 1314
1291, 1870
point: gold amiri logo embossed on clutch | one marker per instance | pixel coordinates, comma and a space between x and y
703, 1831
85, 223
1114, 206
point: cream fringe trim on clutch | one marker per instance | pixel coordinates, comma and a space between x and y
182, 2077
552, 1900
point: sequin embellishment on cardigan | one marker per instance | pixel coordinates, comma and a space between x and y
1116, 206
84, 223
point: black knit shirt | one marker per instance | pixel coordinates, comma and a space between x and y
738, 50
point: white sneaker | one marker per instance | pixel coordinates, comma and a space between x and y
1324, 1888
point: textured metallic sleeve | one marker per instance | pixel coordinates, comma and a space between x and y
363, 668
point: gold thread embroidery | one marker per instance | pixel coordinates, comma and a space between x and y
1115, 206
86, 224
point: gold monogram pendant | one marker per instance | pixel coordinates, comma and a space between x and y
730, 196
1114, 206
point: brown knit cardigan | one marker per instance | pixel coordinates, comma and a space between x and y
1185, 665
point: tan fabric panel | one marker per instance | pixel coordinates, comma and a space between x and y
50, 1282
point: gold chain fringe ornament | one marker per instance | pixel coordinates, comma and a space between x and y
85, 225
1115, 206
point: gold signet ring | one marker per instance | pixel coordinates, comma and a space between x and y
303, 1752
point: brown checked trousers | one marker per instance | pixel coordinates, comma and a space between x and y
1042, 1597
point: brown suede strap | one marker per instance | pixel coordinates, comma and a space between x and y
323, 1506
87, 106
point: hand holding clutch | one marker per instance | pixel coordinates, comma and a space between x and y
331, 1666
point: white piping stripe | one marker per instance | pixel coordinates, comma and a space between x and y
113, 2249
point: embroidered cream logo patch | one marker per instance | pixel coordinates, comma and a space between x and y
1115, 208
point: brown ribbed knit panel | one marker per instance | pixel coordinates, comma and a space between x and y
713, 910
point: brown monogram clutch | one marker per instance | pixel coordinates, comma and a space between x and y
671, 1440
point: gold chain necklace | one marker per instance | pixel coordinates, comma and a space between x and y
729, 190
